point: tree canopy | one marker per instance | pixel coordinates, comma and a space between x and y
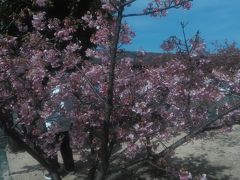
116, 110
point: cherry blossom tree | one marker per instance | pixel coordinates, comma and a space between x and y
116, 111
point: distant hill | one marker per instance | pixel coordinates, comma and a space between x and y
148, 58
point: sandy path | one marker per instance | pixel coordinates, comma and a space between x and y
218, 157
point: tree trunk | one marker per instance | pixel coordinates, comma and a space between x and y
66, 152
105, 149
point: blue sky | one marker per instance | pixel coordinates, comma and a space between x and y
217, 20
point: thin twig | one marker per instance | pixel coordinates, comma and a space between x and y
90, 84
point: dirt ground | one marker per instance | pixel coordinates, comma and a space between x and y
217, 156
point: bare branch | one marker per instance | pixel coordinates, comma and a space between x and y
128, 2
183, 25
155, 11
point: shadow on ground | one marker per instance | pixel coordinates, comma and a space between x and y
197, 165
28, 169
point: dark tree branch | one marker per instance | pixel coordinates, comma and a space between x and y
6, 125
195, 132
